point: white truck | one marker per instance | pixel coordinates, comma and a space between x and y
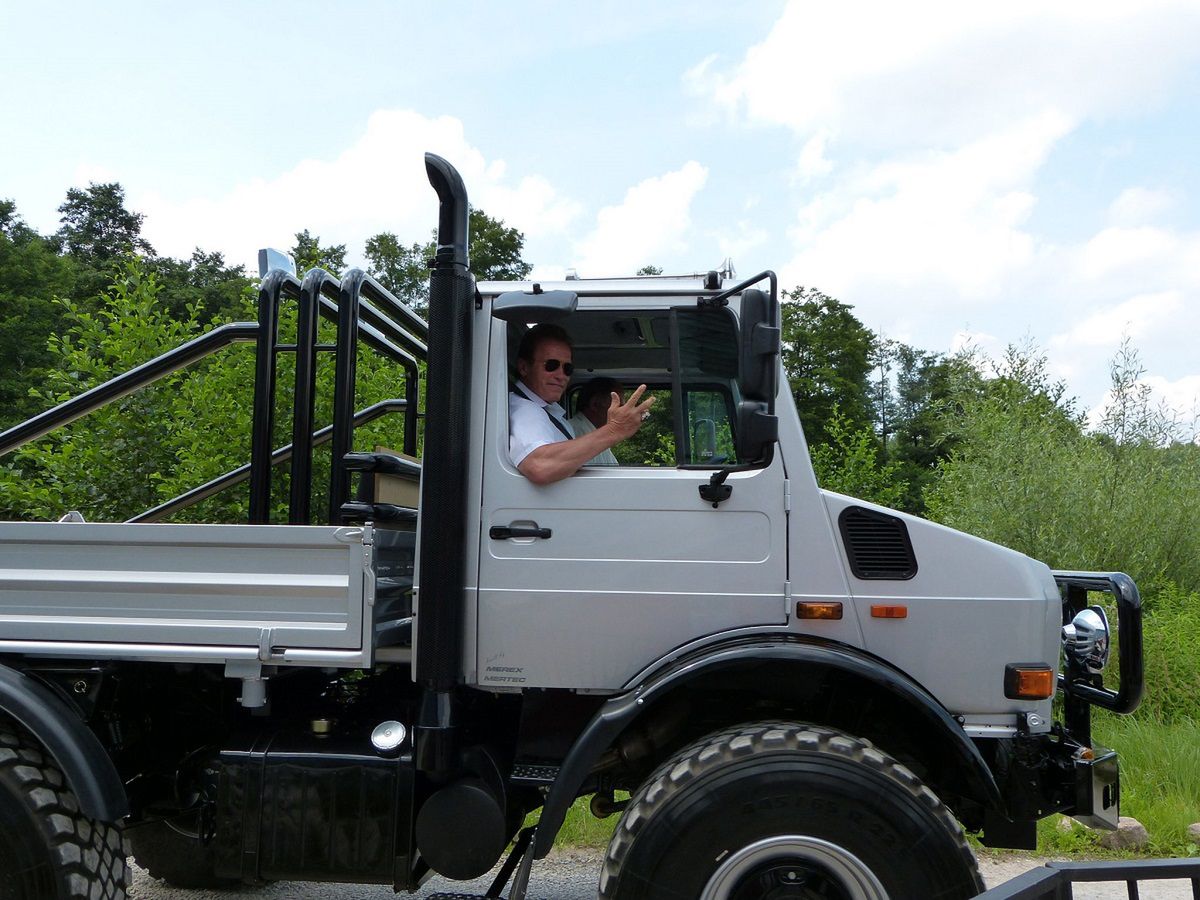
804, 694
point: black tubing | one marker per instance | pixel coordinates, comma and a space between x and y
447, 430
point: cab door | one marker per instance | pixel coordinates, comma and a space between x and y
632, 562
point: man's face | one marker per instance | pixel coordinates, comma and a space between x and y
547, 385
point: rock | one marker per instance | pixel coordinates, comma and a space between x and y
1130, 835
1193, 832
1067, 825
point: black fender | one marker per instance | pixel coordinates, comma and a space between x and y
790, 651
84, 761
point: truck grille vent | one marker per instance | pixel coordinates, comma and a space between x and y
877, 545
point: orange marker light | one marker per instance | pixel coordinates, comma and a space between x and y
894, 611
814, 609
1028, 681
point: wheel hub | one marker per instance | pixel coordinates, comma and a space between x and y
793, 867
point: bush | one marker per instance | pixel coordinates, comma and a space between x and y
1172, 655
1028, 476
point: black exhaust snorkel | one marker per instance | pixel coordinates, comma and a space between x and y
440, 600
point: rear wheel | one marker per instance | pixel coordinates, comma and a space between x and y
49, 850
775, 811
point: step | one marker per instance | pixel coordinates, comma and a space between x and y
444, 896
527, 773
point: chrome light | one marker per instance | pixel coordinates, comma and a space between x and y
1086, 639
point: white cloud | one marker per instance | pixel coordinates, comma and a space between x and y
922, 132
945, 71
1181, 395
1135, 318
813, 162
88, 173
1179, 400
972, 341
954, 219
377, 184
648, 223
1137, 206
1119, 248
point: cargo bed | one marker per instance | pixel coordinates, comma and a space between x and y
279, 594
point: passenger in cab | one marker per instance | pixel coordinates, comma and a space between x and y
591, 411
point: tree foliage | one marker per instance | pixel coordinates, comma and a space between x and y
849, 464
308, 253
32, 273
827, 355
494, 250
97, 229
1026, 474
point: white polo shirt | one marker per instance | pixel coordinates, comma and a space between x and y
529, 425
581, 425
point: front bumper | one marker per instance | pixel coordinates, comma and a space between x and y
1064, 771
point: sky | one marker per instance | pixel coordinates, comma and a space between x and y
962, 174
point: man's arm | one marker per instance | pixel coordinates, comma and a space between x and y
554, 462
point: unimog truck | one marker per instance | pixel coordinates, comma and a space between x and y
783, 691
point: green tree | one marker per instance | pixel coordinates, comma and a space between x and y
650, 270
402, 269
850, 464
494, 250
175, 434
827, 356
1026, 474
217, 291
31, 275
927, 389
97, 229
310, 254
108, 464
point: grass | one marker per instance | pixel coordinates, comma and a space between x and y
582, 829
1160, 787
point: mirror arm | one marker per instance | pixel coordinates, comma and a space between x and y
722, 299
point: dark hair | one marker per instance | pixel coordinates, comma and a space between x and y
595, 388
539, 333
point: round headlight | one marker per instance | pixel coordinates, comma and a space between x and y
1086, 640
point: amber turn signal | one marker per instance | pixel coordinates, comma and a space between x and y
893, 611
1028, 681
818, 609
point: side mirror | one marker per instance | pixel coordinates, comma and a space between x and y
757, 431
758, 370
758, 347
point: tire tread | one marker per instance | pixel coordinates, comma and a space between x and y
735, 743
88, 854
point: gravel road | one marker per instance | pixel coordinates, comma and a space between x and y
571, 875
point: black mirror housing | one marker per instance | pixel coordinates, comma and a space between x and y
758, 350
757, 431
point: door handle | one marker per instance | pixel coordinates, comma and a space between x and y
504, 532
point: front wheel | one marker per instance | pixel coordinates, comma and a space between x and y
49, 850
776, 811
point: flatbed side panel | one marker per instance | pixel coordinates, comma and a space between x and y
256, 587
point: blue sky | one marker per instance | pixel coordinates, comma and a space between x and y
959, 173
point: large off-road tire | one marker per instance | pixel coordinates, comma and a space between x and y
783, 810
177, 857
48, 849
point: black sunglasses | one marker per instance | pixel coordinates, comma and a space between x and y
551, 365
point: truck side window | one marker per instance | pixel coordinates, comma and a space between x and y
692, 420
